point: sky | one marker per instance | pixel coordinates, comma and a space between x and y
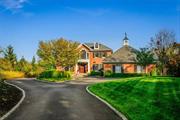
23, 23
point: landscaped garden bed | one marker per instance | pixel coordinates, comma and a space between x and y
55, 76
9, 97
143, 98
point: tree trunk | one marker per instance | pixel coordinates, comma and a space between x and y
145, 69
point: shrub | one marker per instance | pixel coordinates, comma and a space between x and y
114, 75
95, 73
11, 74
32, 74
108, 73
46, 74
67, 74
154, 72
55, 74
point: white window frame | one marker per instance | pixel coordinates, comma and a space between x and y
118, 69
139, 69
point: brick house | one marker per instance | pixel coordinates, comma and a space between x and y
91, 57
124, 60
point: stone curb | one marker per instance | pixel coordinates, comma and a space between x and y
17, 105
105, 102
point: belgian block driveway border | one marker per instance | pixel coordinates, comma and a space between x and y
17, 105
105, 102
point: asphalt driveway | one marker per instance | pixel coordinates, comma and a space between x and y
64, 101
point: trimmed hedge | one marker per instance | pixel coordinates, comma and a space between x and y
55, 74
114, 75
96, 73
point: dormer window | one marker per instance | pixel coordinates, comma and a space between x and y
96, 45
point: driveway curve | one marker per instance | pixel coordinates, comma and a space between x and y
64, 101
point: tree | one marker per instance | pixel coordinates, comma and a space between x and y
1, 51
24, 66
66, 53
33, 63
10, 56
4, 64
173, 64
144, 57
161, 44
46, 55
60, 52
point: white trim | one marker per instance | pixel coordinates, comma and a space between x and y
105, 102
89, 68
84, 45
83, 60
17, 105
126, 42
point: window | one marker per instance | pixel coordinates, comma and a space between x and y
83, 54
97, 67
104, 54
100, 54
87, 55
118, 69
139, 69
176, 51
96, 54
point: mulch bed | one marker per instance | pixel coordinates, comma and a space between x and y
9, 97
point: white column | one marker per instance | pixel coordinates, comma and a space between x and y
86, 55
89, 67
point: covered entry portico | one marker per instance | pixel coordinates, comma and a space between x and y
83, 66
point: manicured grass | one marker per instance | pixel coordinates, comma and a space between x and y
143, 98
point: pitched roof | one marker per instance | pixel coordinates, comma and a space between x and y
124, 54
101, 47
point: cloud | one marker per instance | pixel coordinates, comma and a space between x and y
95, 12
13, 5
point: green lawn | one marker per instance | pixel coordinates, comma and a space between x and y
143, 98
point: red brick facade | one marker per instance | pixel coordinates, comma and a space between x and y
88, 64
129, 68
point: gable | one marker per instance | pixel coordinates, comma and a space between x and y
84, 47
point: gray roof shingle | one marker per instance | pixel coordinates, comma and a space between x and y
101, 47
124, 54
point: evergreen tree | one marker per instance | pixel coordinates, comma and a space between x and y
33, 63
10, 56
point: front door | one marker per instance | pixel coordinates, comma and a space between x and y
83, 68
